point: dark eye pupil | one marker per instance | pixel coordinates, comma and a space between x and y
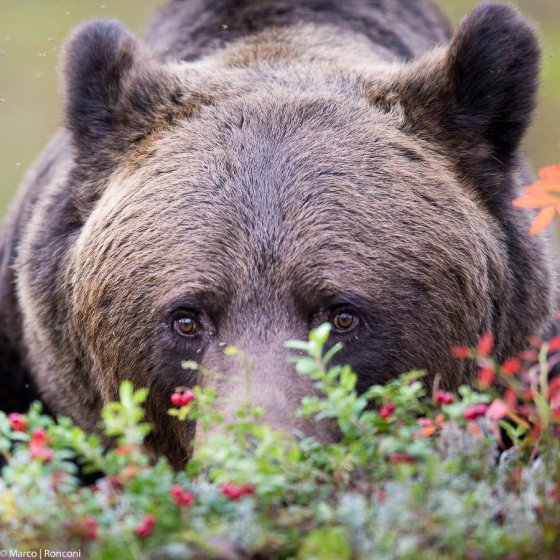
186, 326
344, 320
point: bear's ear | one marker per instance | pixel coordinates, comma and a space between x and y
476, 96
116, 94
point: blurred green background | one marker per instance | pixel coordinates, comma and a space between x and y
32, 32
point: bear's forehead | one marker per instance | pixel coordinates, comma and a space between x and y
278, 196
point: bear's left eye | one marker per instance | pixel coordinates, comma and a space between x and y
344, 320
187, 324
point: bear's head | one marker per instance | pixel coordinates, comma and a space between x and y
220, 203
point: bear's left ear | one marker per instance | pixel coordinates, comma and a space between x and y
475, 98
116, 94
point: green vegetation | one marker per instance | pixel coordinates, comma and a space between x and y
414, 475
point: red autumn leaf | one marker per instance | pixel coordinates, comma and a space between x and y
519, 419
544, 194
428, 427
461, 352
554, 344
535, 341
124, 450
475, 430
485, 344
535, 433
511, 366
516, 476
543, 220
486, 377
554, 388
550, 175
510, 397
536, 201
529, 356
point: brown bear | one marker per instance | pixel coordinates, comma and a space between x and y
256, 168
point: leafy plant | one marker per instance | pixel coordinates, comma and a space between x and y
413, 475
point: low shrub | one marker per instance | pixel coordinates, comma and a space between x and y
415, 474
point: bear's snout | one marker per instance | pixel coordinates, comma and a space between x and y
263, 378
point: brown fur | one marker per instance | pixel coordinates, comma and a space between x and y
302, 160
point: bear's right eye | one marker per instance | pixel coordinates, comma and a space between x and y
187, 324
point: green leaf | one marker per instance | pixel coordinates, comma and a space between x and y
329, 543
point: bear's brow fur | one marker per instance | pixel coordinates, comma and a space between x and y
259, 165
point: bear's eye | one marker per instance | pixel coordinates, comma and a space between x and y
344, 320
186, 324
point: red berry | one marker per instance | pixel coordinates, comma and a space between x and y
147, 526
58, 478
86, 528
235, 492
38, 437
180, 496
41, 452
18, 422
231, 491
402, 458
381, 494
182, 398
38, 446
443, 397
386, 410
476, 411
248, 489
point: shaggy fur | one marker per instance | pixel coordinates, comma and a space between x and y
261, 163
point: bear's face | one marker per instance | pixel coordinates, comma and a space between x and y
249, 213
261, 230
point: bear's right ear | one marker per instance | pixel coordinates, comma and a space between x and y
116, 94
